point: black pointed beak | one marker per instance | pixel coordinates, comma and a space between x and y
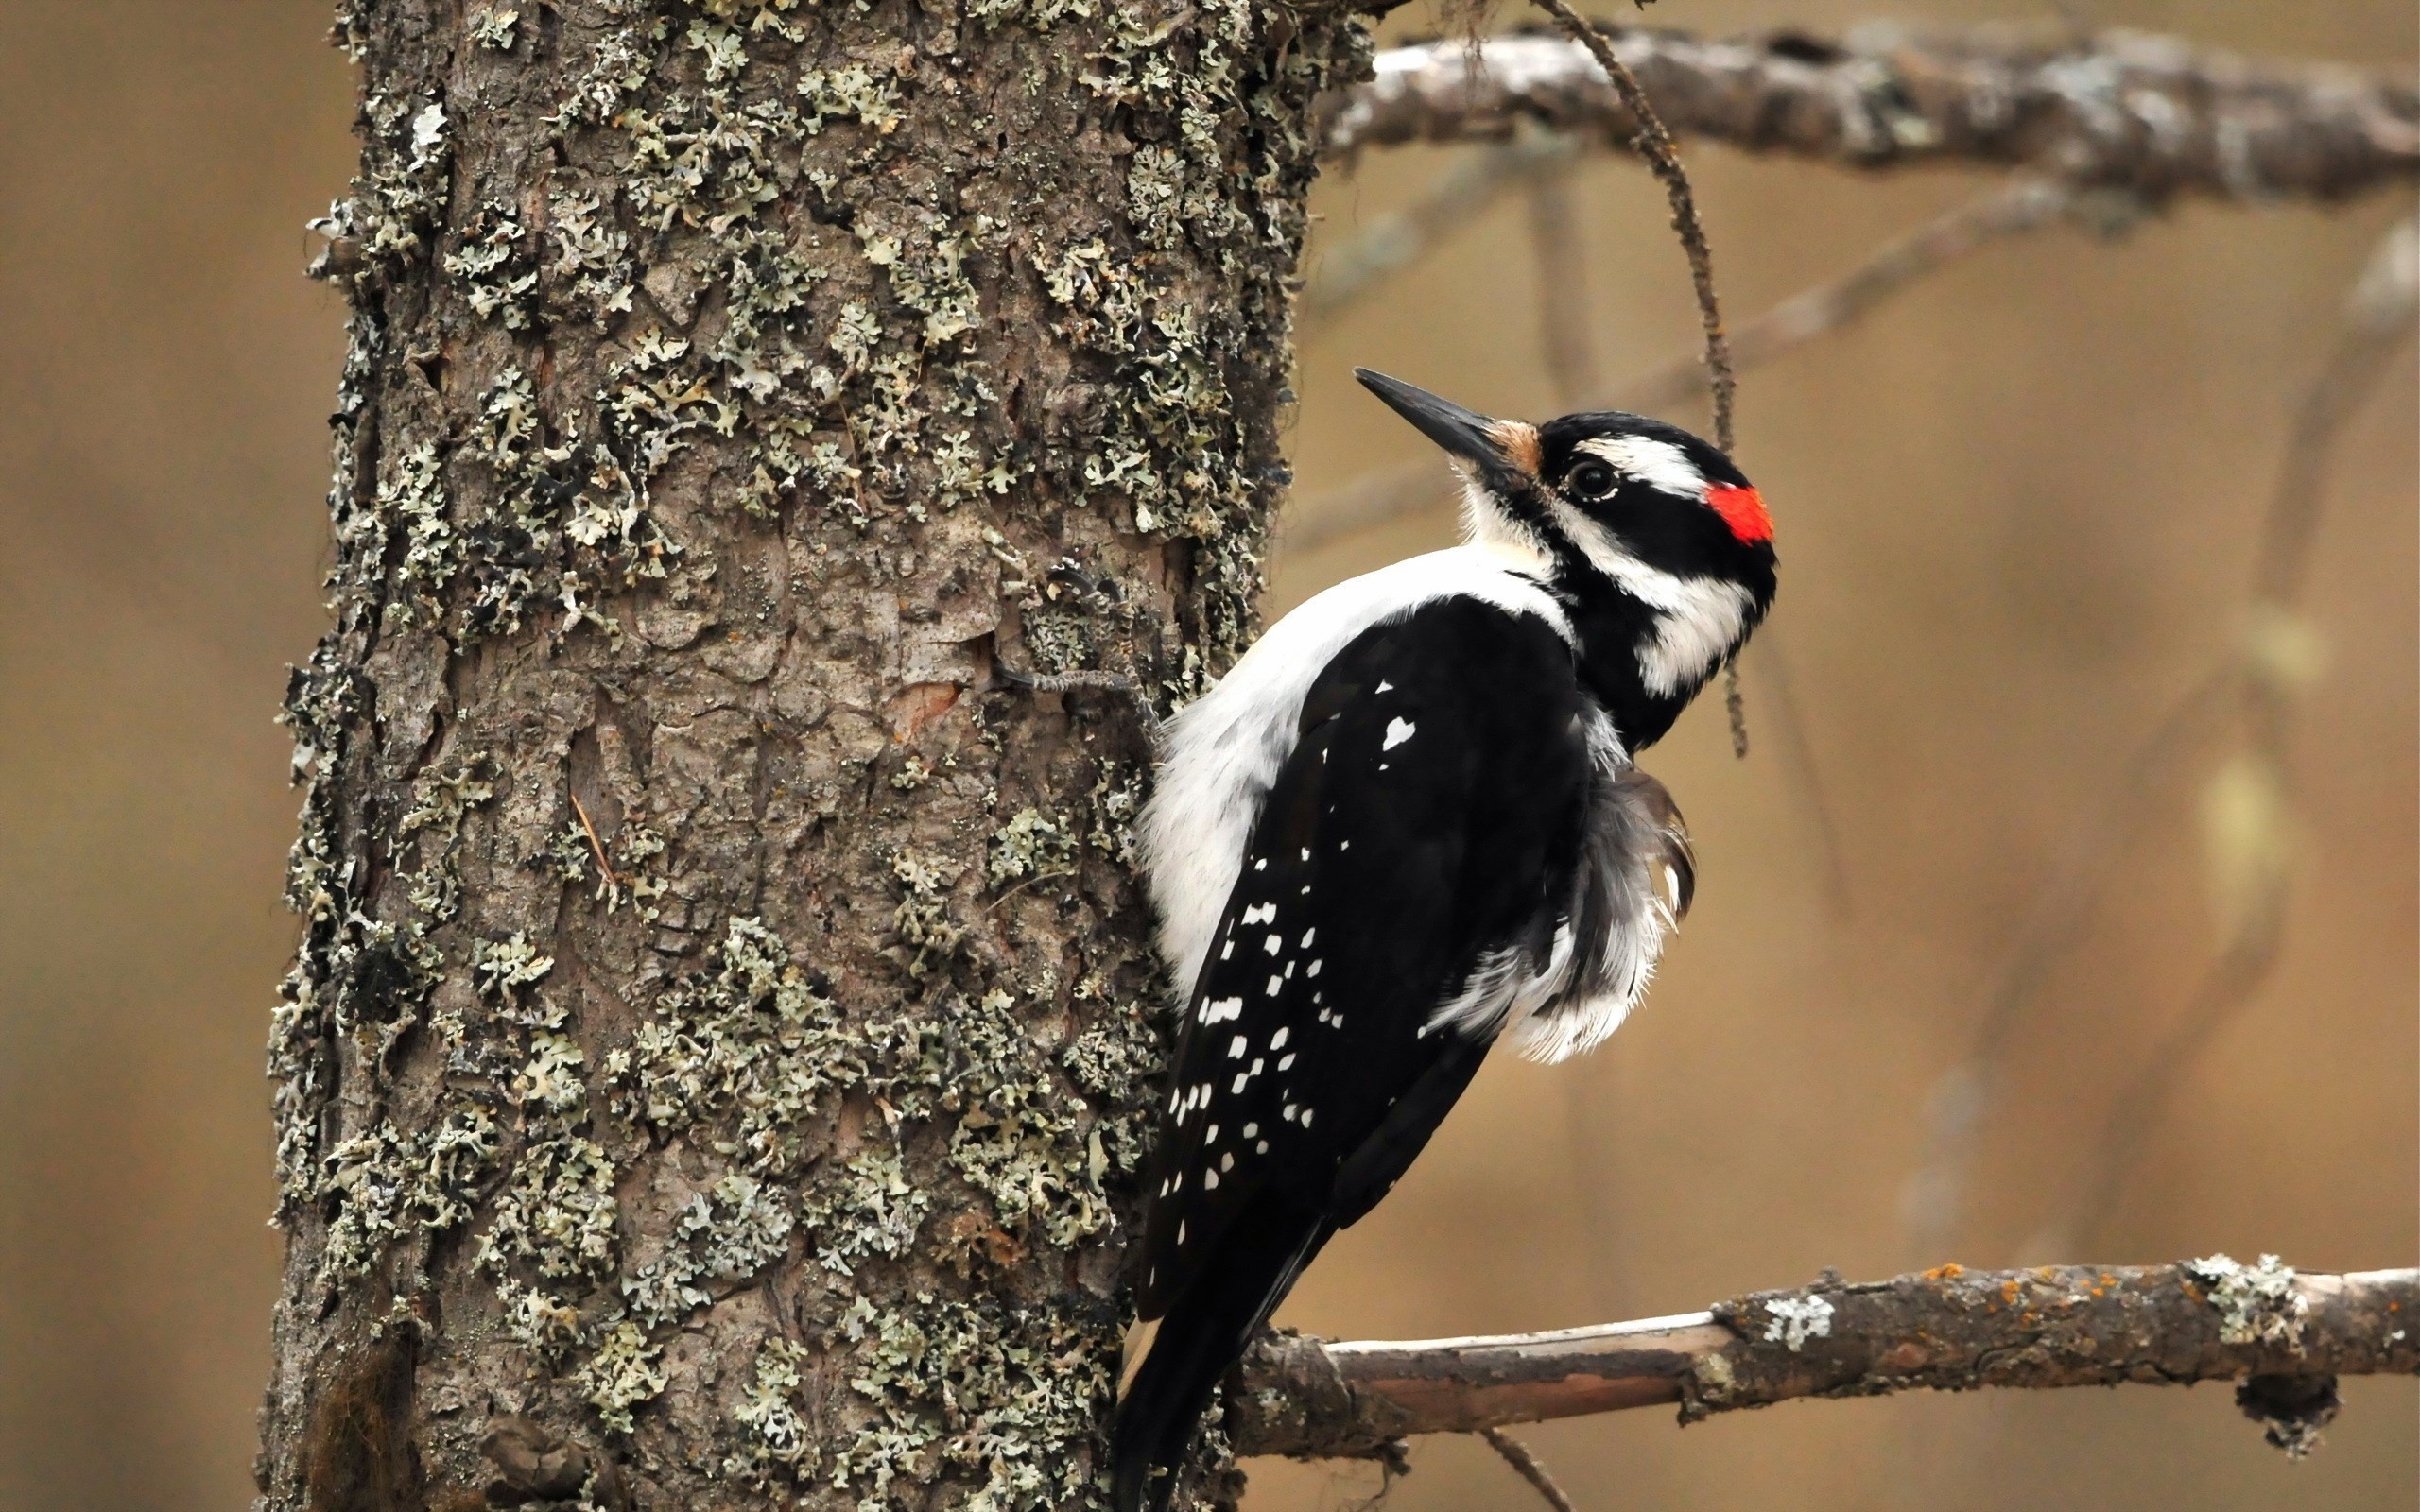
1458, 430
1495, 447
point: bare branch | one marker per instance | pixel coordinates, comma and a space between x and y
1946, 1330
2152, 115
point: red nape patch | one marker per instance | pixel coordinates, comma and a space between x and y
1742, 511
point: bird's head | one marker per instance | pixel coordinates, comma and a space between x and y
1663, 548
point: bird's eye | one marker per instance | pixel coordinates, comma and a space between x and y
1590, 480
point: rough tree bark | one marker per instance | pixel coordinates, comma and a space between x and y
718, 1049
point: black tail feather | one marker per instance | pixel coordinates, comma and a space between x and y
1203, 1333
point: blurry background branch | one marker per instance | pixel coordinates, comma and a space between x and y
2020, 206
2284, 1335
2153, 116
1392, 242
2246, 807
2247, 811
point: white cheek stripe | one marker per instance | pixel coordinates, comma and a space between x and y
1697, 619
1660, 464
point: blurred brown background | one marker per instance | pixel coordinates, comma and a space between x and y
2017, 511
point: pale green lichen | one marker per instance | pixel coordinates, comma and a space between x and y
414, 497
625, 1372
2256, 1304
866, 93
493, 266
591, 263
925, 934
1019, 1138
1030, 845
1035, 1377
494, 28
557, 1213
1116, 800
551, 1081
1791, 1321
865, 1208
779, 1436
626, 875
503, 971
748, 1048
384, 1185
545, 1324
728, 1233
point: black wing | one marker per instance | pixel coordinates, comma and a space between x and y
1429, 813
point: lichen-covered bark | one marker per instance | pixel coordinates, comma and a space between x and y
713, 1068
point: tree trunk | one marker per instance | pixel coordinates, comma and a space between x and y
715, 1068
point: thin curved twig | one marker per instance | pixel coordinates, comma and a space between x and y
1654, 143
1528, 1466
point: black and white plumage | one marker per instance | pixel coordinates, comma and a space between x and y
1405, 826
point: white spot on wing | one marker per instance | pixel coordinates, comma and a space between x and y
1398, 730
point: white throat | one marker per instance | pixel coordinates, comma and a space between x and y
1697, 619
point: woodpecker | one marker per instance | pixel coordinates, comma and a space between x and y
1406, 825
